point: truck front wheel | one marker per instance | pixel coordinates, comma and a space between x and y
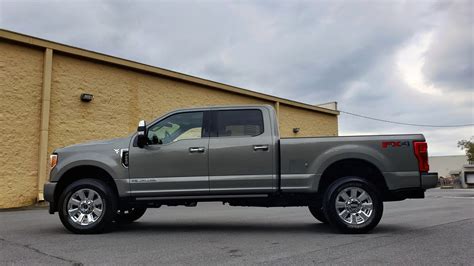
353, 205
87, 206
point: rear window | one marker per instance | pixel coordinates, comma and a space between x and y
235, 123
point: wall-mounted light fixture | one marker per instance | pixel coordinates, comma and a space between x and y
86, 97
296, 130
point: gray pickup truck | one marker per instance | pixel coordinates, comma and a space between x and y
234, 155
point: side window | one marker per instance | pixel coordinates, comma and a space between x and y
234, 123
177, 127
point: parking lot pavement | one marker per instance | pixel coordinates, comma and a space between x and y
436, 230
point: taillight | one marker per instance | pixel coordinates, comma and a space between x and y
421, 153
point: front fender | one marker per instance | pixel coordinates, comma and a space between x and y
111, 166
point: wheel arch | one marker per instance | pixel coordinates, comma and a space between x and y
355, 167
82, 172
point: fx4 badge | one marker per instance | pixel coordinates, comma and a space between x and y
395, 144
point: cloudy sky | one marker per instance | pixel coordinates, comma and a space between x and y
406, 61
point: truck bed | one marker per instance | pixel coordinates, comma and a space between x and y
305, 160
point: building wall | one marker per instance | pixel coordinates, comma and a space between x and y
122, 96
21, 77
306, 120
444, 164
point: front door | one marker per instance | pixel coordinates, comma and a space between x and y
175, 161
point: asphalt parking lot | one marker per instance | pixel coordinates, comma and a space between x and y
437, 230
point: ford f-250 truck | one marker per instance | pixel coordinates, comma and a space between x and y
234, 155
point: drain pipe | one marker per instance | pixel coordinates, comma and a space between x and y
44, 129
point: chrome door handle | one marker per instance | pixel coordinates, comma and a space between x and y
260, 147
196, 149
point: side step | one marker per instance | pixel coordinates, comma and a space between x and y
203, 198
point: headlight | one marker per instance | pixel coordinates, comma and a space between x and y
53, 160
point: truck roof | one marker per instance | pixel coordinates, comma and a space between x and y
225, 107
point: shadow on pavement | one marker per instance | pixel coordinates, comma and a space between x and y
234, 227
210, 227
255, 228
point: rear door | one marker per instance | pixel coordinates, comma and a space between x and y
241, 151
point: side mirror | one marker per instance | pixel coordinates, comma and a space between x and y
142, 134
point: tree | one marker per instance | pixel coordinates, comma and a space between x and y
468, 146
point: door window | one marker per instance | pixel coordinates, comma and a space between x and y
236, 123
177, 127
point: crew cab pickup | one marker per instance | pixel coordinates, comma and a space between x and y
234, 155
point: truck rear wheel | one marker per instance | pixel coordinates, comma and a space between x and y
87, 206
318, 213
129, 215
353, 205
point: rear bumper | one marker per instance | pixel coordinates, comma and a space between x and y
429, 180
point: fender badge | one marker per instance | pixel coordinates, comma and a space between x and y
117, 151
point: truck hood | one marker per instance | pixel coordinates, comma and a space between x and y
110, 144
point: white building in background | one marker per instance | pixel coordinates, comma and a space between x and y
444, 165
455, 166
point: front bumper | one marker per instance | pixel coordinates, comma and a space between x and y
429, 180
48, 189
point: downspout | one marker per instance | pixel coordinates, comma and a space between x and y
277, 108
44, 129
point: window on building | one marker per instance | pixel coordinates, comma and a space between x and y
235, 123
177, 127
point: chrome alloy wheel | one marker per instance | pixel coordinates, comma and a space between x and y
354, 205
85, 206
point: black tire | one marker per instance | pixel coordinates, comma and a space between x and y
108, 206
357, 221
318, 213
129, 215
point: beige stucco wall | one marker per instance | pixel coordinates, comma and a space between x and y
310, 123
122, 96
21, 73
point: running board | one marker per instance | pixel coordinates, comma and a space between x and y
197, 197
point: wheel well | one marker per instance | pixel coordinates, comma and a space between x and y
81, 172
352, 167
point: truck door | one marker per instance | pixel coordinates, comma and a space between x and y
241, 152
176, 160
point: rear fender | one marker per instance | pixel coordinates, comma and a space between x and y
349, 151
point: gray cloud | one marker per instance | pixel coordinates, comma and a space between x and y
307, 51
450, 62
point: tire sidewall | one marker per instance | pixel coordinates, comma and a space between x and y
108, 199
331, 212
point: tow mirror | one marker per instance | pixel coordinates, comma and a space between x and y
142, 135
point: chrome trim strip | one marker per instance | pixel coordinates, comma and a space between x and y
242, 188
250, 178
168, 179
297, 176
168, 191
